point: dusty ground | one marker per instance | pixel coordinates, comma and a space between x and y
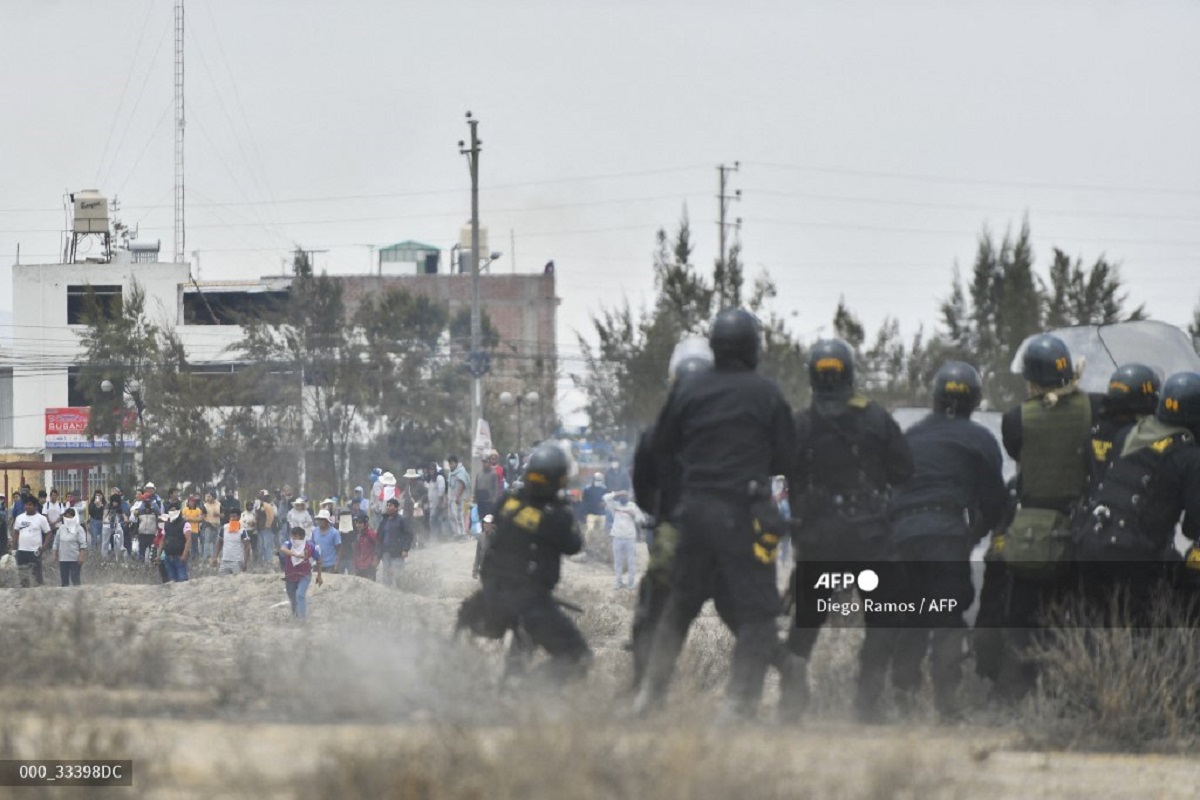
215, 692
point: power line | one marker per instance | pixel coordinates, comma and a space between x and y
1086, 187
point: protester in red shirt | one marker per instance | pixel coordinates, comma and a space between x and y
366, 549
298, 556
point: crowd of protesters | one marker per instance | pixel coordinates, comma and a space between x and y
229, 532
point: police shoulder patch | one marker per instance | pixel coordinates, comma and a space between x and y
510, 505
528, 518
1101, 449
1161, 445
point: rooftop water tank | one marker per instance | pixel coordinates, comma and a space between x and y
91, 212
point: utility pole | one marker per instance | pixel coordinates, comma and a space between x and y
723, 199
179, 118
477, 360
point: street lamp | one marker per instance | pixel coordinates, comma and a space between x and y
133, 390
509, 399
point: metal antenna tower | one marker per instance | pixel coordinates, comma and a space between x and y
179, 121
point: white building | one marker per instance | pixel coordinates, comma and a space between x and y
48, 403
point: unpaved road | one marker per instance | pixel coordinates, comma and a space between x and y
243, 707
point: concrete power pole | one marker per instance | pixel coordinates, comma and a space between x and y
723, 199
477, 360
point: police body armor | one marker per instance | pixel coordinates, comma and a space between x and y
515, 555
1054, 474
844, 506
1122, 523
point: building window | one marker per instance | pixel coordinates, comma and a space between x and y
214, 307
107, 297
77, 394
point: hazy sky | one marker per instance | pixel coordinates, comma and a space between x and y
876, 139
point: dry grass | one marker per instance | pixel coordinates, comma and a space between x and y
1121, 687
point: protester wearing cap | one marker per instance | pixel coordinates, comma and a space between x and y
328, 541
156, 502
396, 539
298, 517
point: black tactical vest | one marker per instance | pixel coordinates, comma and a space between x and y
1124, 523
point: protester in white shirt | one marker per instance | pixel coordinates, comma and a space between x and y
626, 519
33, 537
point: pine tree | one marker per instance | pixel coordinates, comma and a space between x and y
847, 326
1077, 295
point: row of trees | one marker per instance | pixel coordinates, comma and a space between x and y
324, 390
982, 321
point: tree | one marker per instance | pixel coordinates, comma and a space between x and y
309, 342
121, 351
416, 374
180, 438
625, 372
847, 326
1077, 295
625, 376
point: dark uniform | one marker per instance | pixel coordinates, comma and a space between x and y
534, 529
657, 491
1126, 546
1132, 394
847, 463
1049, 437
728, 431
956, 495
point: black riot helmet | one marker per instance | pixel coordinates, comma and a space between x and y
1047, 362
1179, 401
957, 389
831, 373
1132, 389
546, 472
734, 338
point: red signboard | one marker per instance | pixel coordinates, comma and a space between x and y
67, 427
60, 421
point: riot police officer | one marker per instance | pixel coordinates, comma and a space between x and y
850, 453
728, 431
1132, 394
1126, 544
956, 495
534, 529
1048, 435
657, 491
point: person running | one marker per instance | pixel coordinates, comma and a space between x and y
298, 557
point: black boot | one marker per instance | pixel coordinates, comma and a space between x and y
793, 688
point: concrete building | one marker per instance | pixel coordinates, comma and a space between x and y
48, 411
